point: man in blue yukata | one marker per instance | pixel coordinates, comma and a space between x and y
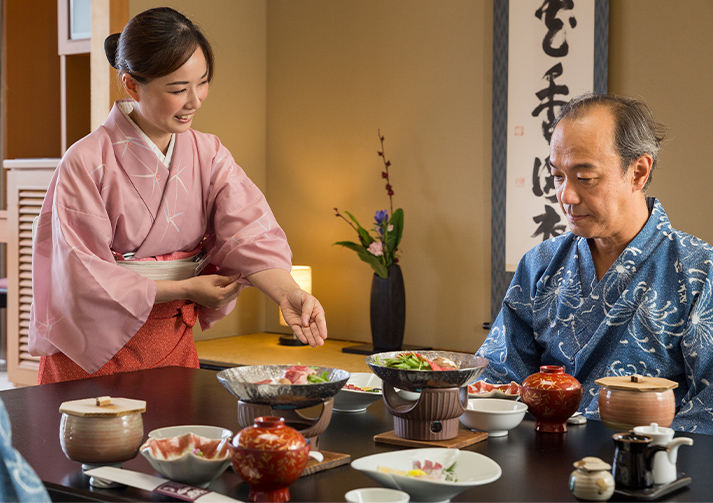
623, 292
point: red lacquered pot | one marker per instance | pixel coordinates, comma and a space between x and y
269, 456
551, 397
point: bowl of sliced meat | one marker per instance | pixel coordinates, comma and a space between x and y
283, 386
482, 389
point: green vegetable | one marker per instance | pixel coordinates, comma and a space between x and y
318, 378
450, 473
406, 361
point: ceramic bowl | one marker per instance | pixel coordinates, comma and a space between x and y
243, 384
622, 410
101, 440
351, 400
98, 435
188, 457
494, 415
469, 368
471, 469
269, 456
376, 495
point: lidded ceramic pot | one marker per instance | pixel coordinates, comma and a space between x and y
269, 455
552, 396
592, 480
100, 431
634, 400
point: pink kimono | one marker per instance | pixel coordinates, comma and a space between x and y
111, 193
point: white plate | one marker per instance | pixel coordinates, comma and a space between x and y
350, 400
497, 392
472, 469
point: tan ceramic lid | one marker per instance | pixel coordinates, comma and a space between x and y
103, 406
637, 382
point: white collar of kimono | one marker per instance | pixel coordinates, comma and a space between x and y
126, 108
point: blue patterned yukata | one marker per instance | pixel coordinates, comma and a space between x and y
18, 481
651, 314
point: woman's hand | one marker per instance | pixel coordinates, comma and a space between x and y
212, 291
305, 316
302, 312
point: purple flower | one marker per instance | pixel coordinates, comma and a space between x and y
381, 217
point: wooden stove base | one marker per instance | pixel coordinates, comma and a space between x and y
463, 439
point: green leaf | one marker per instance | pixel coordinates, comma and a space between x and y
365, 236
394, 237
376, 264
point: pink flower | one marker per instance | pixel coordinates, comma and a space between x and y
376, 248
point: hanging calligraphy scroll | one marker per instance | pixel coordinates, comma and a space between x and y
545, 52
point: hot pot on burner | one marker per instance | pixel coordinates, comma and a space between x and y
442, 394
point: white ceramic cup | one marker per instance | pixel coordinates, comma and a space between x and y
376, 495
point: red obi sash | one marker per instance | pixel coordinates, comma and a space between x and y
166, 339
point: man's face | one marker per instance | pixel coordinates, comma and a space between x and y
597, 198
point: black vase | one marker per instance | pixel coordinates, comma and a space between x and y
388, 310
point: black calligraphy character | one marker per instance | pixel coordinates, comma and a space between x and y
548, 101
543, 183
550, 9
549, 226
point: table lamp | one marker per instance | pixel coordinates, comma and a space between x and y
302, 274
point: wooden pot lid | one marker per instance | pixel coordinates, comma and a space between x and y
103, 406
637, 382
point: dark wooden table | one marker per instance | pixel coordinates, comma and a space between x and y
536, 466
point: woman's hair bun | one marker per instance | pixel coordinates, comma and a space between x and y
110, 45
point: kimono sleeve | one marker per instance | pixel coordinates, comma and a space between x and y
247, 238
18, 481
84, 305
695, 413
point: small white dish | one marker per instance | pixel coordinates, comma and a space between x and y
471, 469
494, 415
376, 495
191, 454
351, 400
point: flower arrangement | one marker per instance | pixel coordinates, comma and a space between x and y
378, 246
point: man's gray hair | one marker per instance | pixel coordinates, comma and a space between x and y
635, 130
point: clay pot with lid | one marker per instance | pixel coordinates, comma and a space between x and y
551, 396
270, 456
635, 400
100, 431
591, 480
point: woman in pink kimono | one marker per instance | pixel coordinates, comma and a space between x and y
134, 212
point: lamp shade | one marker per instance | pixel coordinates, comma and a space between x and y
302, 274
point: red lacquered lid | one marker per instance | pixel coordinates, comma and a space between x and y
269, 433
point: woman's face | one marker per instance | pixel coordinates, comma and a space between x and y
166, 105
